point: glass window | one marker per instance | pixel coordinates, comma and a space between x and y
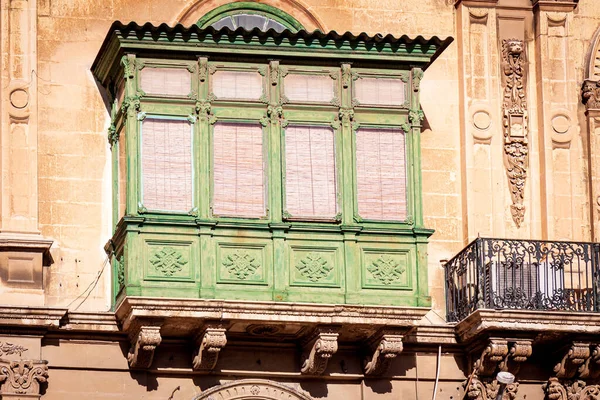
249, 22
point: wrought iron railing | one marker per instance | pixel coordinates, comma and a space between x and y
523, 274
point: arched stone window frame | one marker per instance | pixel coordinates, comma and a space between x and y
258, 389
237, 8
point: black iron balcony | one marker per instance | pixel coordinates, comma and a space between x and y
524, 275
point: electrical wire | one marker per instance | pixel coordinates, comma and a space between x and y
90, 287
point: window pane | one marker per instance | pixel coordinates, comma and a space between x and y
310, 184
237, 85
379, 91
308, 88
167, 165
239, 187
166, 81
381, 174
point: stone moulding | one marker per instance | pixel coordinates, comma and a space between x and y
252, 388
318, 349
144, 340
386, 347
209, 342
22, 377
515, 123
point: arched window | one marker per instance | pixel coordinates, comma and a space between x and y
249, 16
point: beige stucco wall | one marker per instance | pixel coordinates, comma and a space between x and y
73, 155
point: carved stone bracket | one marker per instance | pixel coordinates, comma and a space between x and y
318, 349
515, 123
502, 355
22, 377
386, 347
144, 340
580, 360
210, 342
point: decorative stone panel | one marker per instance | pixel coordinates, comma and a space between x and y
22, 379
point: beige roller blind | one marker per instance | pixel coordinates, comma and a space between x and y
310, 183
379, 91
166, 81
237, 85
381, 174
167, 165
315, 88
238, 170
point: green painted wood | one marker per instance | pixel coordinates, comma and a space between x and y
245, 7
279, 257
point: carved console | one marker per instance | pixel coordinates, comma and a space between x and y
210, 341
20, 379
498, 355
318, 349
144, 340
385, 348
515, 123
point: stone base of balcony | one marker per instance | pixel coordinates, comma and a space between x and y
527, 322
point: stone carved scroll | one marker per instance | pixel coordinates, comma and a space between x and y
488, 390
386, 347
318, 349
515, 123
22, 377
144, 340
580, 361
503, 355
210, 342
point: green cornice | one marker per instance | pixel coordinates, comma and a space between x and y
325, 48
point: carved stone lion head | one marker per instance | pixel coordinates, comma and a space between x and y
514, 47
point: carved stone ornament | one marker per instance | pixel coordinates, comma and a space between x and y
580, 360
515, 123
590, 94
22, 377
319, 349
144, 341
503, 355
7, 348
388, 346
259, 389
210, 342
570, 390
488, 390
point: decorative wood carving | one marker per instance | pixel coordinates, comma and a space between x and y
387, 347
144, 340
168, 261
210, 342
318, 350
387, 269
515, 124
22, 377
314, 267
241, 264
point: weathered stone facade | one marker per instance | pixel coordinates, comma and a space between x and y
510, 147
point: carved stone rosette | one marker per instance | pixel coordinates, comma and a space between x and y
22, 377
387, 347
515, 123
210, 342
144, 341
318, 350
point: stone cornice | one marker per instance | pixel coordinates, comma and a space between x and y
555, 5
31, 317
532, 322
476, 3
90, 322
29, 243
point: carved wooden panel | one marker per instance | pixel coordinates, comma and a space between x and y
244, 264
319, 265
169, 261
385, 269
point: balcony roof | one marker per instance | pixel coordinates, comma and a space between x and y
328, 48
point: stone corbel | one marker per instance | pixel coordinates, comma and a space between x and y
385, 348
144, 340
573, 359
503, 355
210, 341
19, 379
318, 349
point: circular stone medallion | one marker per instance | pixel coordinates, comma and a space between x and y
481, 120
561, 124
19, 98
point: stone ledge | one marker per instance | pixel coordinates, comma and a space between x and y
90, 322
31, 317
482, 321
